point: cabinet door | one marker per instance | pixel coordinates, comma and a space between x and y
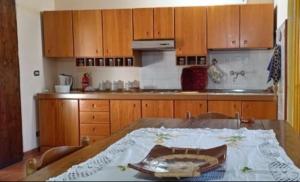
87, 33
58, 34
257, 26
259, 110
184, 108
143, 23
47, 122
223, 24
123, 113
190, 31
164, 23
229, 108
67, 123
157, 108
117, 32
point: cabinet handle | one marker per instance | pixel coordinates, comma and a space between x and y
93, 105
234, 106
93, 117
134, 105
188, 115
146, 105
245, 41
233, 42
158, 33
200, 105
97, 51
94, 129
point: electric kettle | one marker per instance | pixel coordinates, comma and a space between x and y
65, 79
64, 83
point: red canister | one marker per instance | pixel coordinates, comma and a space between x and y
85, 81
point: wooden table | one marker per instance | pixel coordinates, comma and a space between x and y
286, 136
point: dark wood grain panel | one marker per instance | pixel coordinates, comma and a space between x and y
10, 106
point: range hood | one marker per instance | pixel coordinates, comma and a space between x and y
149, 45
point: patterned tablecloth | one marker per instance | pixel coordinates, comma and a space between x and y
251, 155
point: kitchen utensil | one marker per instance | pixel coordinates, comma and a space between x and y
215, 73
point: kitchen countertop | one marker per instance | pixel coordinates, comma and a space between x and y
210, 94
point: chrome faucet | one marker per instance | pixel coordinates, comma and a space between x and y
236, 74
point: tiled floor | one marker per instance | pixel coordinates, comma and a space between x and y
16, 172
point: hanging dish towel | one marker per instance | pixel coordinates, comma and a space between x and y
274, 67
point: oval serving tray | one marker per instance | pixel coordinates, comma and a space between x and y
180, 162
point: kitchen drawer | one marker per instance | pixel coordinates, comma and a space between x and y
94, 129
94, 117
94, 105
94, 139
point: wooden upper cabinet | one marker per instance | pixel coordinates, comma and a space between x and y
190, 31
223, 25
229, 108
164, 23
188, 108
257, 26
157, 108
143, 23
259, 110
117, 32
87, 27
58, 34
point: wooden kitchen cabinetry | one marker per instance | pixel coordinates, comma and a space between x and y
223, 25
157, 23
123, 113
259, 110
58, 34
190, 31
58, 123
87, 27
164, 23
189, 108
157, 108
229, 108
257, 26
143, 23
94, 119
117, 32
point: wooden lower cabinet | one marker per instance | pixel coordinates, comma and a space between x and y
123, 113
58, 123
259, 110
229, 108
94, 119
157, 109
186, 108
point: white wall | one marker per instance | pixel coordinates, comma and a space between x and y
282, 11
30, 58
105, 4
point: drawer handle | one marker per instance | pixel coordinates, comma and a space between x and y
200, 105
94, 129
93, 117
146, 105
93, 105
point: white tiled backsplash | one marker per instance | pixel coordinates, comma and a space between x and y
159, 70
